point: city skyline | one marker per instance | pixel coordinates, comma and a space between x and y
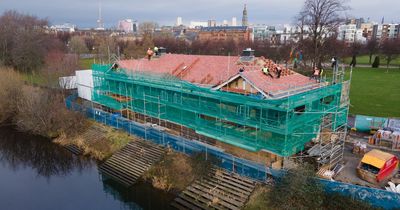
85, 14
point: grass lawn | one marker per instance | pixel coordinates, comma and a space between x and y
86, 63
33, 78
375, 92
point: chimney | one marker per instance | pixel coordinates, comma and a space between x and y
247, 55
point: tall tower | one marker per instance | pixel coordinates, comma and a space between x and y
234, 21
244, 17
100, 24
179, 21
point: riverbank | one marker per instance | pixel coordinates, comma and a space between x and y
96, 140
176, 171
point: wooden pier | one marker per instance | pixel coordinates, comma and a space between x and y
220, 189
73, 149
129, 163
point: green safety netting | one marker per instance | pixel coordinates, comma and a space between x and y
250, 123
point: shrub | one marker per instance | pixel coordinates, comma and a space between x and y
10, 86
376, 62
298, 189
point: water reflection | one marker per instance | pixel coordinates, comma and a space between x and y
140, 196
21, 150
38, 174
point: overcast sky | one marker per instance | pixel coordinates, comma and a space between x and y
85, 12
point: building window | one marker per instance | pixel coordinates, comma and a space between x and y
300, 110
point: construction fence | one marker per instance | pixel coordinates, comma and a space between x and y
254, 170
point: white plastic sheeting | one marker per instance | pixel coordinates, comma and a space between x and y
67, 83
84, 83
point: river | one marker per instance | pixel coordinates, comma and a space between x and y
38, 174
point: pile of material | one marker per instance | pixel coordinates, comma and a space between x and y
392, 188
359, 148
386, 138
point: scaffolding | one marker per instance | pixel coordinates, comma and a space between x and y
280, 126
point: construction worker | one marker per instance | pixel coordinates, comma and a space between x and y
266, 71
320, 74
149, 53
315, 74
156, 50
279, 71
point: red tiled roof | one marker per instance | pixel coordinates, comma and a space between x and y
200, 69
270, 85
214, 70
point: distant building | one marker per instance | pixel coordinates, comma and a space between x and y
211, 23
350, 34
265, 33
222, 33
244, 17
225, 23
66, 27
367, 29
385, 31
178, 21
127, 26
234, 21
290, 34
198, 24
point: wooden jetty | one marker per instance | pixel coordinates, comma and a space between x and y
73, 149
129, 163
220, 189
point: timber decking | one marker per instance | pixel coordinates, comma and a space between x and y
129, 163
73, 149
218, 190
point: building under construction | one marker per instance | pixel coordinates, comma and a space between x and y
244, 104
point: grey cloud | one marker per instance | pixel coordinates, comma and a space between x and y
84, 12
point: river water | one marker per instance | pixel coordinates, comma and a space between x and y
38, 174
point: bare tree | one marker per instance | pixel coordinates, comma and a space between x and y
22, 40
354, 50
147, 28
322, 18
372, 47
77, 45
390, 49
29, 50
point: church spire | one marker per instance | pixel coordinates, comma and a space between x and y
244, 17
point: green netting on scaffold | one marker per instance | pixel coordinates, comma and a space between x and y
281, 126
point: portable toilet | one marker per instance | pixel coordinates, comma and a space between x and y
377, 165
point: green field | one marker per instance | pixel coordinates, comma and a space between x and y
86, 63
375, 92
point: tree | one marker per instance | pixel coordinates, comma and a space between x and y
134, 50
78, 45
147, 28
322, 18
390, 49
354, 50
372, 47
28, 51
23, 40
106, 48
